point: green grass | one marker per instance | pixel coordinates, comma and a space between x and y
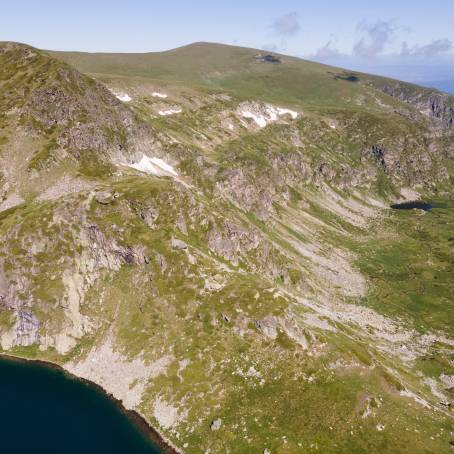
411, 268
216, 67
162, 305
40, 159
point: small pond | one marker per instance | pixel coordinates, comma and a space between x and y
426, 206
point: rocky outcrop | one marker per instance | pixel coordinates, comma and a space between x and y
97, 252
432, 103
385, 158
23, 333
238, 186
232, 241
404, 167
23, 329
254, 268
53, 99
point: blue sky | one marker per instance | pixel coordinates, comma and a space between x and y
411, 39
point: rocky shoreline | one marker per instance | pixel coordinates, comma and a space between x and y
137, 419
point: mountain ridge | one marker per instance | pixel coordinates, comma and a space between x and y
229, 240
204, 47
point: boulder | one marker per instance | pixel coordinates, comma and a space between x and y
216, 424
104, 197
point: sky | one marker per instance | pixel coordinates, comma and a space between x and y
408, 39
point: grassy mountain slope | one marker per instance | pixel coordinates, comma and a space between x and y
267, 288
238, 71
228, 68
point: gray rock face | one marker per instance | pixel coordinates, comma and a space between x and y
236, 185
268, 326
181, 224
104, 197
150, 216
96, 251
178, 244
326, 171
3, 285
108, 254
439, 108
162, 262
232, 240
386, 158
400, 165
431, 103
27, 328
24, 332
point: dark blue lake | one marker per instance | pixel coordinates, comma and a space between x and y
426, 206
43, 410
421, 205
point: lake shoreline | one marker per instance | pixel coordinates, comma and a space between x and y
134, 416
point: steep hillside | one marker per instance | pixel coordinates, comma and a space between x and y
53, 118
432, 103
225, 262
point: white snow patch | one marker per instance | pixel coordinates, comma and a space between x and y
272, 112
263, 116
259, 119
122, 96
156, 94
154, 166
281, 111
166, 112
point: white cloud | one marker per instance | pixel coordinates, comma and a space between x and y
432, 49
375, 38
327, 51
287, 25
